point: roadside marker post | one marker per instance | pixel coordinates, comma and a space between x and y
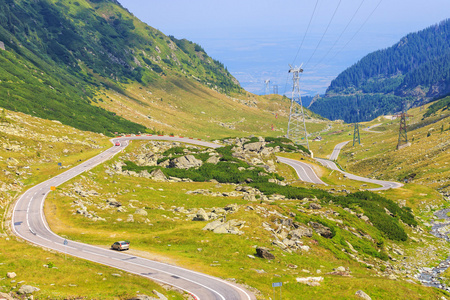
53, 188
65, 248
274, 285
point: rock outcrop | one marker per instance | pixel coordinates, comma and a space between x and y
185, 162
28, 289
322, 230
222, 227
264, 253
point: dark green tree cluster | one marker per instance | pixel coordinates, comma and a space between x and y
425, 51
357, 108
443, 104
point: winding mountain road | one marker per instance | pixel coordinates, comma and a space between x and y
304, 171
307, 174
385, 185
28, 222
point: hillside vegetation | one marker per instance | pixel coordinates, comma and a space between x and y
416, 70
59, 53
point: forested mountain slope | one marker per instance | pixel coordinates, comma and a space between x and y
416, 69
58, 53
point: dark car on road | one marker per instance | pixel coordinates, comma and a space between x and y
122, 245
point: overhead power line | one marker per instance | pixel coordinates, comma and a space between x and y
325, 32
342, 33
306, 32
301, 44
359, 29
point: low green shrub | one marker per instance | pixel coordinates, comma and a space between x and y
375, 207
223, 172
285, 144
174, 151
252, 140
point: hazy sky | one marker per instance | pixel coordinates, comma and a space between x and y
257, 40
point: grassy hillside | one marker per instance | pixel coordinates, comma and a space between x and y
174, 105
167, 232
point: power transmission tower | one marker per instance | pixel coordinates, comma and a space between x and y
275, 89
356, 136
297, 125
267, 82
402, 134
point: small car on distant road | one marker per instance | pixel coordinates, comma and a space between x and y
117, 144
120, 246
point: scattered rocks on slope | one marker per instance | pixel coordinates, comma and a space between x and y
340, 271
147, 159
254, 147
315, 206
4, 296
222, 227
201, 215
311, 281
11, 275
113, 202
300, 232
158, 175
141, 212
213, 160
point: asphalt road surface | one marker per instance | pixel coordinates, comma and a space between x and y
28, 222
337, 149
304, 170
369, 129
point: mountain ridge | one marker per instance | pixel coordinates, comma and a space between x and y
415, 70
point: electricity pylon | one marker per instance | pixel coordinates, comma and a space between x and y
297, 125
356, 137
267, 82
402, 133
275, 89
